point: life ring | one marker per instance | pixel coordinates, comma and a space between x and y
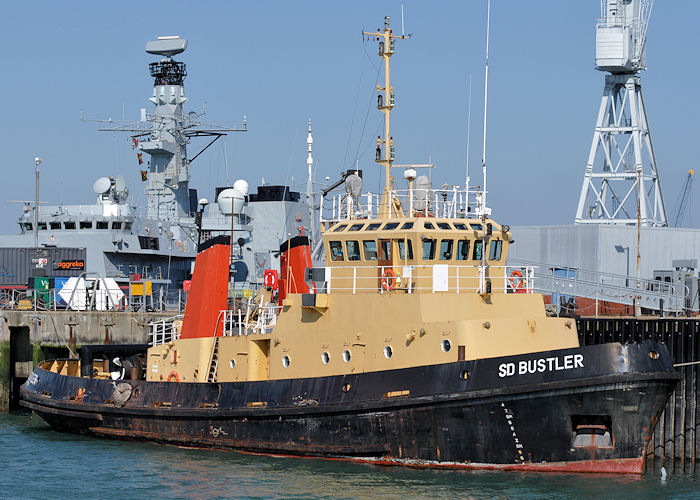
517, 283
173, 375
270, 278
388, 279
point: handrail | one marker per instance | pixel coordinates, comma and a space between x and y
427, 278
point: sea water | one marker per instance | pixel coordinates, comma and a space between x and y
37, 462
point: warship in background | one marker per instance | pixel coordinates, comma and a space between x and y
115, 240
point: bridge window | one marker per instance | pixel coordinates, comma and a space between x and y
85, 224
446, 249
55, 225
102, 225
353, 247
444, 225
402, 249
370, 247
385, 246
495, 250
461, 226
373, 227
42, 226
340, 228
408, 225
462, 249
69, 225
477, 227
336, 250
429, 249
391, 225
477, 250
428, 225
127, 226
355, 227
27, 226
116, 225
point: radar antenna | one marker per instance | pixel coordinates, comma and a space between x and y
621, 183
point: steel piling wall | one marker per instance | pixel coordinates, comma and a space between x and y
675, 441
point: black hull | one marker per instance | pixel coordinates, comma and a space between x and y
423, 416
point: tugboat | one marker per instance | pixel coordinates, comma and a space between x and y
414, 345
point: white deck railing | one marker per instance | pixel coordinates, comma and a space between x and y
164, 330
452, 202
428, 278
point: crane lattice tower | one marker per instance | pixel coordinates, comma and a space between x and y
622, 184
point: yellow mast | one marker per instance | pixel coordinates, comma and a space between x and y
385, 104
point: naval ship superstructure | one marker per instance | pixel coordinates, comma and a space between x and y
160, 244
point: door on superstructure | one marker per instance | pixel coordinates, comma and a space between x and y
384, 262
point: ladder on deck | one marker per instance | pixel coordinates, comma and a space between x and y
214, 362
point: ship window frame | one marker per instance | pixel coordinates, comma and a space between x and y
356, 227
117, 224
448, 253
339, 228
325, 357
55, 225
495, 250
461, 226
431, 253
69, 224
286, 361
42, 226
385, 250
333, 247
127, 226
27, 226
477, 251
85, 224
390, 226
461, 254
347, 355
101, 224
388, 352
407, 225
476, 227
401, 250
368, 253
444, 226
428, 225
355, 254
373, 227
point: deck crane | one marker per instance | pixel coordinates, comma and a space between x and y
621, 175
685, 198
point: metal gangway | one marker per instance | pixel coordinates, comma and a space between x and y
602, 287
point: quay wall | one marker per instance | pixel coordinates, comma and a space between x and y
28, 337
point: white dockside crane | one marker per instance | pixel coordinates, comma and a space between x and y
621, 184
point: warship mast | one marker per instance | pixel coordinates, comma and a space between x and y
164, 135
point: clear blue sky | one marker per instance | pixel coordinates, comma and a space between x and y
285, 61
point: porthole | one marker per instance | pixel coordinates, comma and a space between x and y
464, 375
285, 361
388, 352
445, 345
325, 357
346, 355
346, 387
232, 364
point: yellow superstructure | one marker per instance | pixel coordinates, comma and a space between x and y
414, 284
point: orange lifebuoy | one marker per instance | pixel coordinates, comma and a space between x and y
173, 375
388, 279
270, 278
517, 283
